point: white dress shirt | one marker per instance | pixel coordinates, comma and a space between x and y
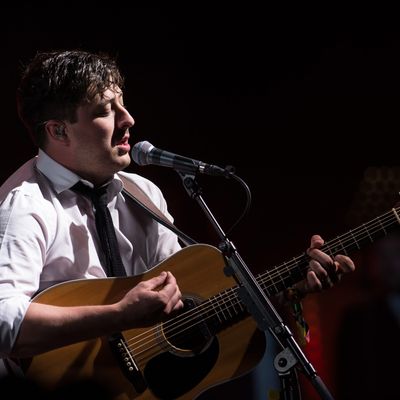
48, 235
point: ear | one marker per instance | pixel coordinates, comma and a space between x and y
56, 130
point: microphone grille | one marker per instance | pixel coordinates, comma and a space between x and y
140, 152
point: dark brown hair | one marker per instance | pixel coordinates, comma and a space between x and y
54, 84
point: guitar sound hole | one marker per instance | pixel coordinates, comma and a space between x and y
170, 376
190, 332
192, 351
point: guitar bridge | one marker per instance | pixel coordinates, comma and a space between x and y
127, 362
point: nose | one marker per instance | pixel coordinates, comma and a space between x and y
125, 119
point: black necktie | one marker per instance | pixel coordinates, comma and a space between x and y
105, 228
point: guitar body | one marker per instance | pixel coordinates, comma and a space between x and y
167, 371
212, 340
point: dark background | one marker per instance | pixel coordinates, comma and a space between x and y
302, 100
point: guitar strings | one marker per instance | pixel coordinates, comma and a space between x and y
235, 292
354, 234
166, 347
183, 333
176, 322
342, 241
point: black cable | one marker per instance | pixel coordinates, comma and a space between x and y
248, 200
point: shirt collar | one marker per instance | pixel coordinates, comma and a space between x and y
63, 179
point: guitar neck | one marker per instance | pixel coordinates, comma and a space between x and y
227, 305
285, 275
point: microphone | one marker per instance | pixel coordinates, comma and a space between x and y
144, 153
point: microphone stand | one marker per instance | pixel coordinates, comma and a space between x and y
260, 307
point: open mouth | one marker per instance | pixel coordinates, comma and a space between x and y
123, 143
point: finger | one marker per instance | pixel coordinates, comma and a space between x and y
320, 256
167, 293
169, 289
174, 302
345, 264
318, 269
157, 281
170, 285
170, 278
316, 242
325, 274
313, 283
177, 304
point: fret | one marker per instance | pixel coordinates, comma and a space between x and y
330, 251
215, 309
341, 245
237, 305
235, 301
300, 271
226, 307
265, 289
241, 307
269, 279
287, 278
355, 240
396, 215
280, 277
289, 271
221, 307
366, 230
218, 307
332, 248
272, 279
263, 282
228, 304
383, 228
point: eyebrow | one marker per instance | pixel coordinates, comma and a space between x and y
104, 101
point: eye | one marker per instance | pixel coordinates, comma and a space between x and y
102, 111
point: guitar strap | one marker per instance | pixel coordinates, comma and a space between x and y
142, 200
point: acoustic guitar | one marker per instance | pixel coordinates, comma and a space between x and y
212, 340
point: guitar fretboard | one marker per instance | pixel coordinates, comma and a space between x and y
285, 275
226, 307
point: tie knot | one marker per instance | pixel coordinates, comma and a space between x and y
97, 195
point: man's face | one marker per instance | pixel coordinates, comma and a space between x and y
99, 139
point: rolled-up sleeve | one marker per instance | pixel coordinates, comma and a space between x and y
23, 243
